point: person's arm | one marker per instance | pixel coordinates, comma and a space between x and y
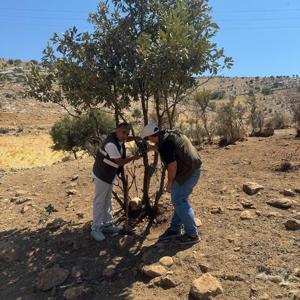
167, 153
172, 169
115, 155
124, 161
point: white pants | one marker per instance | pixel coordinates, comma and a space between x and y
102, 210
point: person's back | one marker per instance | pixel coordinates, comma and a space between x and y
175, 145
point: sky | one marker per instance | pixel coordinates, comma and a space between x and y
262, 36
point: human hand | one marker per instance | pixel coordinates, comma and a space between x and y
151, 148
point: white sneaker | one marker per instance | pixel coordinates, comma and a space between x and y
111, 229
97, 235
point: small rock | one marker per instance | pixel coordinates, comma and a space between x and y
206, 287
273, 214
282, 203
50, 278
297, 191
223, 190
252, 188
265, 296
292, 224
78, 274
216, 210
102, 253
109, 271
75, 177
76, 293
297, 272
23, 200
71, 192
25, 208
205, 267
288, 193
135, 204
166, 261
247, 215
198, 222
55, 224
266, 277
9, 252
13, 199
20, 193
154, 270
124, 241
235, 207
232, 277
166, 282
247, 204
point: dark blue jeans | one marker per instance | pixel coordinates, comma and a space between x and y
183, 212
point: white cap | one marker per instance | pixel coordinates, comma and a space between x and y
148, 130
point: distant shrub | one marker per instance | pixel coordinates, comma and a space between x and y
136, 114
217, 95
17, 62
284, 166
279, 120
230, 125
266, 91
74, 134
295, 109
34, 62
277, 84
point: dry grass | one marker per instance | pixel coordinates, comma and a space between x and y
27, 151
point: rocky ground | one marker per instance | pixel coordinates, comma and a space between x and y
247, 204
250, 246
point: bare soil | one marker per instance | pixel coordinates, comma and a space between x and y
233, 250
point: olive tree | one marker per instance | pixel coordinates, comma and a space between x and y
144, 52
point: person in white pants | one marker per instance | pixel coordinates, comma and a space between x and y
110, 158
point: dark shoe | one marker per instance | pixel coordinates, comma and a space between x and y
188, 239
169, 234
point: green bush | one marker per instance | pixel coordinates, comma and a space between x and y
230, 125
75, 133
266, 91
279, 120
217, 95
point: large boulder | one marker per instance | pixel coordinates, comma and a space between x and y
50, 278
206, 287
252, 188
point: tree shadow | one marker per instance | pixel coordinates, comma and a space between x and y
71, 248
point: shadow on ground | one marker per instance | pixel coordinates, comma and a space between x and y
70, 247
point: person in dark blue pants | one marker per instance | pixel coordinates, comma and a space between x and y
184, 168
